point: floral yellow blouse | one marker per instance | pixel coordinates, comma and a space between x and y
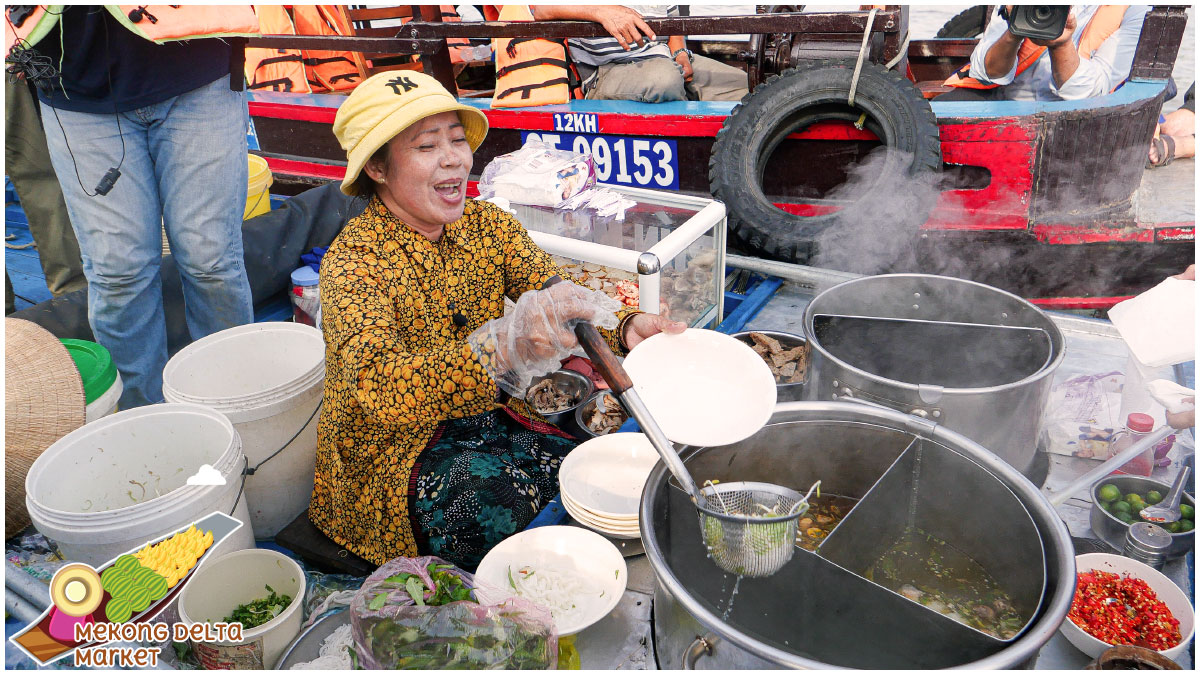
397, 365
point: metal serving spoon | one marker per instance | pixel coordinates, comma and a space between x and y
1167, 511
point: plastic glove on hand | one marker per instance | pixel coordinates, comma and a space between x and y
533, 338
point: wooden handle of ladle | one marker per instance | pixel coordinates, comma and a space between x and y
603, 359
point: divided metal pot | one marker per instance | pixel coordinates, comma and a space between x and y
820, 609
967, 356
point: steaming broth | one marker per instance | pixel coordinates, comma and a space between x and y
929, 571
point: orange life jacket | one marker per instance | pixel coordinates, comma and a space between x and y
275, 69
325, 69
163, 23
1103, 24
158, 23
529, 71
458, 46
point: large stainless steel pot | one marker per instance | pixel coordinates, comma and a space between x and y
976, 359
819, 610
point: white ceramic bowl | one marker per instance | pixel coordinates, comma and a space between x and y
606, 474
704, 388
1164, 588
567, 550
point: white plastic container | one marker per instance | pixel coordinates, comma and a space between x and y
221, 585
106, 404
268, 379
117, 483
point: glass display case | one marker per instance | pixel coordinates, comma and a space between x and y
666, 256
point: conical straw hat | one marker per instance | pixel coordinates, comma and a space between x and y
43, 401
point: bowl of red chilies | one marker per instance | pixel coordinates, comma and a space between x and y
1119, 601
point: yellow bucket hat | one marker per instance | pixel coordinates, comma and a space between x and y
388, 103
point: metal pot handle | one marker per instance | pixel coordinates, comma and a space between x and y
919, 421
701, 646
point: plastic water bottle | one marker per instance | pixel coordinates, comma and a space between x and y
478, 53
1137, 426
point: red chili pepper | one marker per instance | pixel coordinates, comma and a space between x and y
1122, 610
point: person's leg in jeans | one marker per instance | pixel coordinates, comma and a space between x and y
198, 145
28, 166
119, 237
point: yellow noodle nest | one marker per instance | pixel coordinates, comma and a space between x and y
173, 558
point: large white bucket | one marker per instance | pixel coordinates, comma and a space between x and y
236, 579
121, 481
268, 379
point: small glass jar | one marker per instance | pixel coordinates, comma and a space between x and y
306, 297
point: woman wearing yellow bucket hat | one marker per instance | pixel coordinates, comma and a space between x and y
419, 450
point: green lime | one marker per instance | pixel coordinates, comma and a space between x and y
1110, 492
1186, 525
1121, 506
1135, 501
1188, 511
1125, 517
1153, 497
1173, 527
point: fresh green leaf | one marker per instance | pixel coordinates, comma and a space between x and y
416, 590
377, 602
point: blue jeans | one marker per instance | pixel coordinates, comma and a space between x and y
185, 170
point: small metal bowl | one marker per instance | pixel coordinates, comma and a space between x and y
791, 391
576, 385
1112, 530
589, 406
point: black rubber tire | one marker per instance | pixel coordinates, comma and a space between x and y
896, 113
968, 23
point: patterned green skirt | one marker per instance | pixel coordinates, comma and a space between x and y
480, 480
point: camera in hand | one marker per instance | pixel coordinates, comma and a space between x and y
1038, 22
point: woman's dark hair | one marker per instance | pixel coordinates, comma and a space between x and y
364, 184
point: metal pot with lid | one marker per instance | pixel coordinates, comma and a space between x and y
839, 603
962, 354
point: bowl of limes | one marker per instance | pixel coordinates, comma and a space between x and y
1116, 501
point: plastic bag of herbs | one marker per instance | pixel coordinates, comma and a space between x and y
426, 613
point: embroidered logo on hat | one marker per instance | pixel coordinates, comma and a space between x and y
401, 81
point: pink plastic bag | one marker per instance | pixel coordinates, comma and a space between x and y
392, 631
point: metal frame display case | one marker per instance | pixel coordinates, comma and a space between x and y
666, 256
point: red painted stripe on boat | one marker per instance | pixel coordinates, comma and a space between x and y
310, 169
284, 111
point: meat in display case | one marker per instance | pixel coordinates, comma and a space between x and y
666, 256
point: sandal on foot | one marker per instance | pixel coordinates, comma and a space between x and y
1165, 146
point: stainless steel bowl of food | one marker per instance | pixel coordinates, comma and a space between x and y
557, 396
786, 355
600, 414
1112, 529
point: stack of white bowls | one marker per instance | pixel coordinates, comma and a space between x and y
601, 482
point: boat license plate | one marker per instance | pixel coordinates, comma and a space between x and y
624, 160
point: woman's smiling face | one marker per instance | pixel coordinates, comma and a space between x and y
424, 180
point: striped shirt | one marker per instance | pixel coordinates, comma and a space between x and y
601, 51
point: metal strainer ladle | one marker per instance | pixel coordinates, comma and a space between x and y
740, 543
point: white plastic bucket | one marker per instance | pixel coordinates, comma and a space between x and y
106, 404
268, 379
222, 584
117, 483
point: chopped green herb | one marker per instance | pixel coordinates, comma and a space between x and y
258, 612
